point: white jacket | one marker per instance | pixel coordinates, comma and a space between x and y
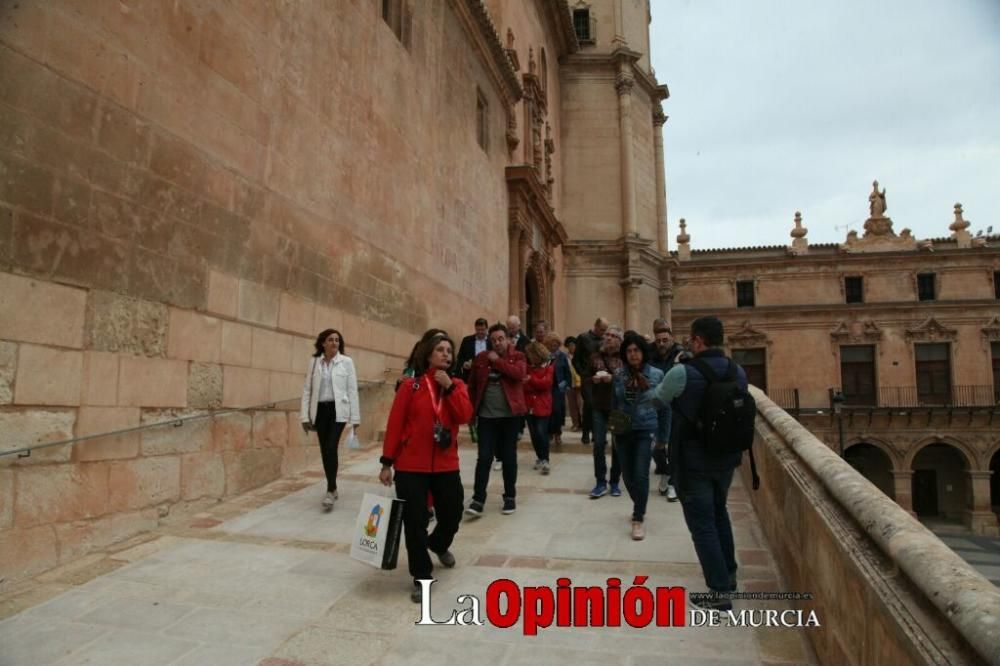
345, 390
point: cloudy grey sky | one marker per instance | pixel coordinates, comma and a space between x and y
777, 106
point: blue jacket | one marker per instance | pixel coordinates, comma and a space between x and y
562, 378
645, 415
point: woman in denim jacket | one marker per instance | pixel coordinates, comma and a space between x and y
634, 384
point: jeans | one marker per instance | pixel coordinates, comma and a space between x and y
600, 442
634, 450
497, 437
704, 502
329, 431
445, 488
538, 428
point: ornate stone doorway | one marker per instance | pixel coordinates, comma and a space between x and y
534, 233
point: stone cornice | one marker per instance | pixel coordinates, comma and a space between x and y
561, 21
697, 262
622, 258
827, 309
475, 18
607, 64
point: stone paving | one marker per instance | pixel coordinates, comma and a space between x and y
265, 579
982, 553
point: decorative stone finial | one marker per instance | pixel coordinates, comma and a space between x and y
510, 38
683, 242
959, 228
799, 243
532, 66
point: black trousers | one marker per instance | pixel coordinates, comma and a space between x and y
329, 432
446, 490
497, 438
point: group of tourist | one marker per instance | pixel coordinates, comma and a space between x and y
640, 389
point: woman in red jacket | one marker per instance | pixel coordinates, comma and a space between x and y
538, 399
421, 443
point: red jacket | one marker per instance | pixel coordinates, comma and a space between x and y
538, 390
409, 435
512, 368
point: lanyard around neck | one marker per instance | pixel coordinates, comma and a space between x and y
435, 402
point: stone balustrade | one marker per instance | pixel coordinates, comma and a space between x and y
886, 589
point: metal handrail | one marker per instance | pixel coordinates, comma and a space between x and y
25, 452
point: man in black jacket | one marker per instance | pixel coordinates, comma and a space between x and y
471, 346
588, 344
665, 354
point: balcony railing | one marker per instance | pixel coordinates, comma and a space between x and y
786, 398
910, 397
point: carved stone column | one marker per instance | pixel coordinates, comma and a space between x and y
902, 488
524, 252
981, 518
661, 189
623, 84
667, 300
516, 271
631, 289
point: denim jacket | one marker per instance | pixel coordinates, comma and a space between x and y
645, 416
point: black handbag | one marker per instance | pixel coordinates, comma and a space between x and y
619, 422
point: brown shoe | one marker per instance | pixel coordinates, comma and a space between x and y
638, 531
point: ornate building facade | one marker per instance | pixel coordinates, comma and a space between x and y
190, 191
885, 346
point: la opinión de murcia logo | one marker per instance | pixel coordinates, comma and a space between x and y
594, 606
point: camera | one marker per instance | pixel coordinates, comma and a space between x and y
442, 436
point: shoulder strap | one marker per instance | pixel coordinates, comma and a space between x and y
705, 369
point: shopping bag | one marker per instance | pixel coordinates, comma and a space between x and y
352, 441
377, 531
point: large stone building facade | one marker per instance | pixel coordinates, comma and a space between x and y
885, 346
190, 191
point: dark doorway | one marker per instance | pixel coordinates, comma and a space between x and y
873, 464
532, 312
754, 362
925, 499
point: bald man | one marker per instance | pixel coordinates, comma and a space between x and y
516, 336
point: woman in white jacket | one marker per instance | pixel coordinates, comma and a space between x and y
330, 402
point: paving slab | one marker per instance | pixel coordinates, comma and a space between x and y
265, 579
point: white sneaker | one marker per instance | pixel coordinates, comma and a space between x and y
497, 466
671, 494
538, 465
664, 484
545, 467
328, 500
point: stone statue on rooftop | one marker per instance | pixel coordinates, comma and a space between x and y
876, 202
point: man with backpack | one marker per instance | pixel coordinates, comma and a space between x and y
712, 425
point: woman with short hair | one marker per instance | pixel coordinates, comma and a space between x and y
330, 402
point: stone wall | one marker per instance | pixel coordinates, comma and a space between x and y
188, 193
886, 590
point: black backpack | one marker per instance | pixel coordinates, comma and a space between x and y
726, 415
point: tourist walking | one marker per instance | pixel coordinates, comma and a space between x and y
538, 400
646, 424
496, 388
421, 446
330, 402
